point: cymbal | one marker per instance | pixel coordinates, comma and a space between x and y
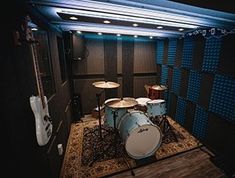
105, 84
122, 103
159, 87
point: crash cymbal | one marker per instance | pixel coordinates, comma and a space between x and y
122, 103
159, 87
105, 84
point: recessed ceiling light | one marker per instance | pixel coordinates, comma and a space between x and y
151, 37
135, 25
118, 34
73, 18
107, 21
181, 29
79, 32
159, 27
135, 36
34, 29
99, 33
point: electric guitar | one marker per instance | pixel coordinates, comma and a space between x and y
39, 105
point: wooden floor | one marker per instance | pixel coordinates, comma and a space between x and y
192, 164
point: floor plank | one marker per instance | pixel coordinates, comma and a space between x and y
192, 164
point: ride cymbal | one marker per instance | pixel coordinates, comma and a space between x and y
122, 103
159, 87
105, 84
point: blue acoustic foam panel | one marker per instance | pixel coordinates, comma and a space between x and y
194, 86
164, 75
172, 51
222, 101
159, 52
187, 56
180, 110
211, 55
200, 122
176, 80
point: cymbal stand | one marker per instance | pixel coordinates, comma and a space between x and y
116, 142
98, 149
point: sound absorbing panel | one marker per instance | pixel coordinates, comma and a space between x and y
164, 75
211, 55
160, 51
187, 53
180, 110
176, 80
222, 100
194, 86
200, 122
172, 51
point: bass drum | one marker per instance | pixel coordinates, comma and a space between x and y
141, 137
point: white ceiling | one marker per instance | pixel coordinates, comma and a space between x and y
148, 14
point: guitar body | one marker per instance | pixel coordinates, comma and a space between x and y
42, 120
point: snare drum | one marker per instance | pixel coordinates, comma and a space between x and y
141, 137
142, 104
108, 116
156, 107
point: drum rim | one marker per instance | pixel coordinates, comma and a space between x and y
153, 101
154, 150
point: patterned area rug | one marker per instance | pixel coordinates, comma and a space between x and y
88, 156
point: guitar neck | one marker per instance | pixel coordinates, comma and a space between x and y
37, 74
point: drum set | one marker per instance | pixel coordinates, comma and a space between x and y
133, 120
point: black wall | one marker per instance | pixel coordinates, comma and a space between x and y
127, 61
23, 156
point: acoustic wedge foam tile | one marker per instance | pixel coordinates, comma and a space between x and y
222, 101
187, 56
160, 51
176, 80
200, 122
211, 55
194, 86
172, 51
180, 110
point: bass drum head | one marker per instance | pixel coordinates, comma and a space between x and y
143, 144
142, 138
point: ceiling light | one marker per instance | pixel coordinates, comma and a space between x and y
181, 29
34, 29
135, 36
141, 16
79, 32
151, 37
135, 25
114, 29
159, 27
73, 18
107, 21
99, 33
118, 34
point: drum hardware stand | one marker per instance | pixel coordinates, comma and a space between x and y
98, 155
166, 125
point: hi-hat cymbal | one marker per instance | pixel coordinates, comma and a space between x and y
122, 103
105, 84
159, 87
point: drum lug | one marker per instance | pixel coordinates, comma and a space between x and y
137, 124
